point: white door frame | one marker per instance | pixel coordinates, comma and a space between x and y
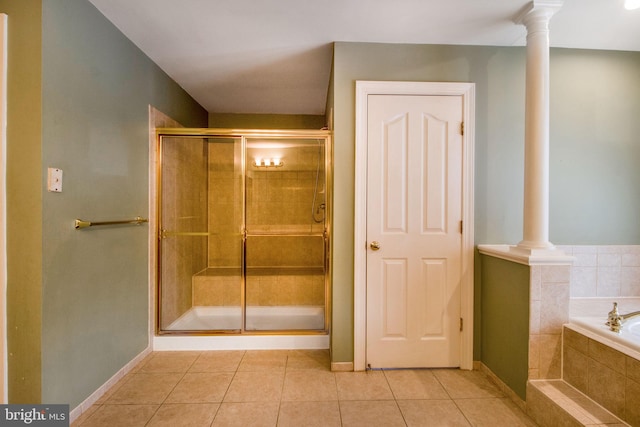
363, 90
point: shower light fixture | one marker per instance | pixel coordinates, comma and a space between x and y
268, 163
631, 4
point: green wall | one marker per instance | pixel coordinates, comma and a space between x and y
95, 88
505, 325
499, 77
265, 121
594, 100
595, 147
24, 199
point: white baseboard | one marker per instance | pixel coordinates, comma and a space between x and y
342, 367
81, 408
503, 387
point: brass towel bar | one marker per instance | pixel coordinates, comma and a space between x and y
84, 224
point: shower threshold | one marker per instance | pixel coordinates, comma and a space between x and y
258, 318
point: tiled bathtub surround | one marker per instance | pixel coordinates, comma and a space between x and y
613, 271
606, 375
605, 271
553, 403
596, 272
548, 311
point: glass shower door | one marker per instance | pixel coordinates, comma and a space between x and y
285, 234
200, 230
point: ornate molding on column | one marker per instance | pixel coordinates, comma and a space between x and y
536, 15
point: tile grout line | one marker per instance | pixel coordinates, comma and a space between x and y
284, 377
395, 398
228, 387
452, 399
335, 382
172, 389
112, 391
291, 365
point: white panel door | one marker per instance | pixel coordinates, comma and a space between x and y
414, 212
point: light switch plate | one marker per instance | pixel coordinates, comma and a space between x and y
54, 182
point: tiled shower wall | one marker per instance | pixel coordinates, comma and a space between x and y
281, 199
278, 200
294, 288
225, 204
183, 210
604, 271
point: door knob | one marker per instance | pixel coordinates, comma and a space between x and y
374, 246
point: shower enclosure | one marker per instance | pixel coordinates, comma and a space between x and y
243, 231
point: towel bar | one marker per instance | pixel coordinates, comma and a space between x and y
84, 224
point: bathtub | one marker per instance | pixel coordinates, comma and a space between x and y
588, 317
596, 360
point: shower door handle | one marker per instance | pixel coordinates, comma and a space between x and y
375, 246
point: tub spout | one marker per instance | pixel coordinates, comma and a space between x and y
615, 319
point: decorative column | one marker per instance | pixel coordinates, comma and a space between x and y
536, 171
549, 269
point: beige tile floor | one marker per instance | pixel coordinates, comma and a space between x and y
295, 388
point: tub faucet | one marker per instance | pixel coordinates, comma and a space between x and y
615, 319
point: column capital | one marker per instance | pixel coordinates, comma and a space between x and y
538, 12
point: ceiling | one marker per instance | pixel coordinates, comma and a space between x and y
274, 56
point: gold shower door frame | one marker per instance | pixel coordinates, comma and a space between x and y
244, 135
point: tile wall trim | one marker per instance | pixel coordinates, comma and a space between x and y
531, 258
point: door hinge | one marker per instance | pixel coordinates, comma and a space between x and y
461, 128
461, 227
461, 324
